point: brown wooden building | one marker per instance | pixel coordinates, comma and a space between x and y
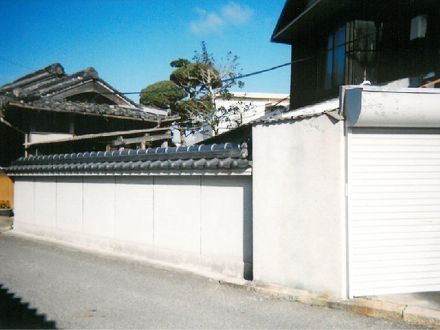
48, 111
343, 42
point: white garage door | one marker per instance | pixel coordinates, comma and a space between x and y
393, 211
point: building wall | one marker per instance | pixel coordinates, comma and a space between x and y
192, 221
252, 106
377, 45
299, 205
6, 189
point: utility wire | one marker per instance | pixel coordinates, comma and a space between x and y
231, 79
224, 80
257, 72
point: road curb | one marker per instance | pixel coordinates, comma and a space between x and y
422, 316
413, 315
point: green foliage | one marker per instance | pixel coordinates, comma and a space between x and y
179, 63
194, 87
162, 94
196, 78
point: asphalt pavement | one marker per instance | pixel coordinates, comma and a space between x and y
59, 286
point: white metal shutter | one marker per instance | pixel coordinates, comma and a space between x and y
393, 212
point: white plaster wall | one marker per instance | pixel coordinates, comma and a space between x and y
24, 206
220, 226
99, 206
177, 213
69, 202
299, 205
45, 203
189, 221
226, 228
134, 210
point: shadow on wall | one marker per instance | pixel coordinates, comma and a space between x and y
248, 234
15, 314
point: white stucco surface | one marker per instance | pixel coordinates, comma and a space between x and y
45, 203
220, 228
299, 205
134, 217
190, 221
24, 206
177, 213
99, 206
69, 204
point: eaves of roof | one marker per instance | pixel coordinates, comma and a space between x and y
110, 111
115, 91
215, 159
290, 28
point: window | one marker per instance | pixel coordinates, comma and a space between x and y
334, 70
361, 51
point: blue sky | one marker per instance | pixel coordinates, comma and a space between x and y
131, 43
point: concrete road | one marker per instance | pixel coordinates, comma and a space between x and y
77, 289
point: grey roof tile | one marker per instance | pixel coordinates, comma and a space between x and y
218, 157
39, 90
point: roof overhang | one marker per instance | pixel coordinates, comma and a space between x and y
60, 109
296, 23
288, 30
24, 106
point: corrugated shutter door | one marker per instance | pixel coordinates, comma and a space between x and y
393, 212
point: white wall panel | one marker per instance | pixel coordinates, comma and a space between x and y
134, 209
177, 213
99, 206
157, 217
69, 204
23, 201
299, 205
222, 228
45, 202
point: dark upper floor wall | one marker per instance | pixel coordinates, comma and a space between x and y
336, 42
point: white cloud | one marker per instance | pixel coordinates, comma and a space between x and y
200, 11
236, 14
230, 14
210, 23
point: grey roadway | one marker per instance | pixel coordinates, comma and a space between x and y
78, 289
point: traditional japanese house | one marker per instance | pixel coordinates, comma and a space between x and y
48, 109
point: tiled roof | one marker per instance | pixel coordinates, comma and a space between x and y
51, 80
41, 90
204, 159
330, 107
50, 104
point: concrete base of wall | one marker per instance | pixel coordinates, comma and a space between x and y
163, 259
185, 260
